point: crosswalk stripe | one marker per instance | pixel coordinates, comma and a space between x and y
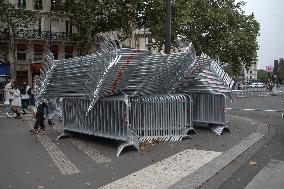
167, 172
86, 148
65, 166
271, 176
91, 152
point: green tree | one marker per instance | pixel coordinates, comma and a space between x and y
11, 19
280, 70
216, 28
263, 75
91, 17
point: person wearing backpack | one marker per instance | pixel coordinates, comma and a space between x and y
25, 91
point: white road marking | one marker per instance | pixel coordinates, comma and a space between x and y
167, 172
271, 176
86, 148
255, 110
91, 152
65, 166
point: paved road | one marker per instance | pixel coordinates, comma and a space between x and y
40, 161
260, 167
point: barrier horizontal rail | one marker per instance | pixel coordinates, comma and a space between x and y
131, 120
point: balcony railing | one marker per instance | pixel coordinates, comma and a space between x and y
43, 35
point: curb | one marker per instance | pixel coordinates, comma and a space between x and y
202, 175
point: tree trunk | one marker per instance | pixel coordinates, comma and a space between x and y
12, 46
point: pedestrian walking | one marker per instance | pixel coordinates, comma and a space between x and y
25, 91
9, 97
16, 103
40, 112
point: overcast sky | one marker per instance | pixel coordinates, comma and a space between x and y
270, 15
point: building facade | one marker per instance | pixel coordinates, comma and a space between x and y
32, 44
251, 73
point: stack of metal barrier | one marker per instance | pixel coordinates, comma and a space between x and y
205, 76
208, 85
150, 106
131, 119
70, 77
138, 73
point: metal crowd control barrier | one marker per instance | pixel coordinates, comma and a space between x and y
163, 117
90, 85
257, 100
205, 75
210, 109
139, 73
131, 120
69, 77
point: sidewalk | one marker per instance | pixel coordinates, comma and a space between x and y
91, 161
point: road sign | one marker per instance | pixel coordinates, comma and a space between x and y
269, 68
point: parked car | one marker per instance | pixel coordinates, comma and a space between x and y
257, 85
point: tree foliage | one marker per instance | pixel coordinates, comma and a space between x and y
263, 76
91, 17
280, 70
216, 28
12, 19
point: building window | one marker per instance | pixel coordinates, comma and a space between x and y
22, 4
38, 5
68, 28
54, 51
55, 25
149, 39
38, 51
21, 52
69, 52
54, 5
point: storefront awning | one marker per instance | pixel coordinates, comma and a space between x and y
4, 70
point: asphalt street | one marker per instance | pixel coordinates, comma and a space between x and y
41, 161
271, 149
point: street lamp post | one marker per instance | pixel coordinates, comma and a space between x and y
168, 27
50, 32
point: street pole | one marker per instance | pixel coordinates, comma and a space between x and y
168, 27
50, 35
49, 39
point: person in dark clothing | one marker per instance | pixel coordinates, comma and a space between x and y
40, 112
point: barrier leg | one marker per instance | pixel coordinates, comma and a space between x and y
191, 130
219, 129
132, 141
65, 134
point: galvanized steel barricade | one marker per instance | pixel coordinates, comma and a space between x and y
209, 109
131, 120
161, 117
257, 100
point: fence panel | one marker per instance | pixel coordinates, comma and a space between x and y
130, 119
210, 109
256, 100
162, 117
